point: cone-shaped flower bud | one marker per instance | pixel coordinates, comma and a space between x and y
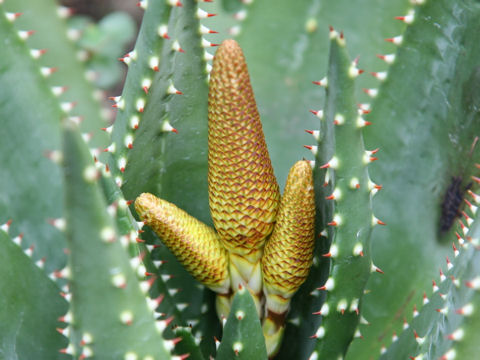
243, 191
288, 253
196, 245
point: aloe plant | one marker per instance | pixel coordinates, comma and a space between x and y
83, 276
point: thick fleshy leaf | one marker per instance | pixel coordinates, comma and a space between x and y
242, 334
30, 184
109, 307
425, 139
30, 306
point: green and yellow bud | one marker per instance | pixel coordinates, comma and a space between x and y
243, 192
196, 245
288, 254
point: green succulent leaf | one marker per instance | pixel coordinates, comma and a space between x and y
177, 163
170, 165
439, 328
30, 184
107, 296
434, 124
104, 43
242, 334
467, 344
30, 306
51, 33
187, 344
351, 190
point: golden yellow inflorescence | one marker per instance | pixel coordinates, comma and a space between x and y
245, 206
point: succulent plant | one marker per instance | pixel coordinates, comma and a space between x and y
84, 277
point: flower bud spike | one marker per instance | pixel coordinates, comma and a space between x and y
194, 244
293, 232
243, 234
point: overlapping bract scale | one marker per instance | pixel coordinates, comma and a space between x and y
195, 244
243, 191
288, 252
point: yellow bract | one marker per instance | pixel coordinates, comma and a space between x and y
288, 253
243, 191
195, 244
